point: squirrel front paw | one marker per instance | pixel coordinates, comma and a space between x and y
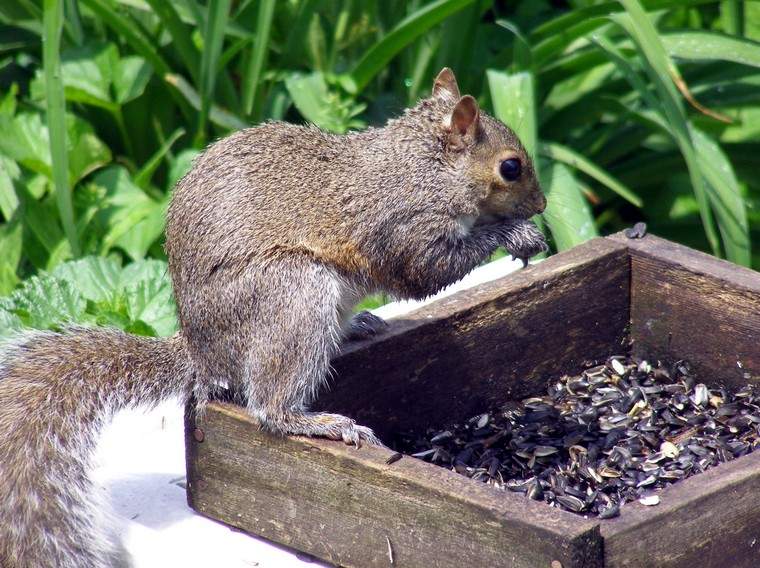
522, 239
323, 425
365, 325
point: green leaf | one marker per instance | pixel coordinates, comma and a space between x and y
258, 53
8, 199
131, 76
127, 219
405, 32
572, 158
213, 38
150, 301
703, 45
10, 323
319, 105
661, 72
26, 140
56, 118
514, 104
45, 302
567, 213
94, 277
142, 178
180, 166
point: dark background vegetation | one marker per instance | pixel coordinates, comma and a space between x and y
634, 110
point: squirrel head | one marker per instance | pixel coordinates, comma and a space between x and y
488, 154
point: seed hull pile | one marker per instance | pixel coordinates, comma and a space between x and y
613, 434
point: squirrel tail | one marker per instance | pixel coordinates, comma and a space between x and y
56, 391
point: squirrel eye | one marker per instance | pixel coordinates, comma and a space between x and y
510, 169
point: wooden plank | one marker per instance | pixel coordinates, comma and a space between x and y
688, 305
709, 520
340, 503
481, 347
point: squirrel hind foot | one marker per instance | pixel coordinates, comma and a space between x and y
323, 425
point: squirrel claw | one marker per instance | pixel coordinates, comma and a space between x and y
365, 325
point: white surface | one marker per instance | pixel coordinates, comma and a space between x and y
141, 459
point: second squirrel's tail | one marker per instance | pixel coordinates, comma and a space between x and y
56, 391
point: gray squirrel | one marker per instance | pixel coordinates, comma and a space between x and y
272, 237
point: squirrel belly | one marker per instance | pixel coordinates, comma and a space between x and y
56, 391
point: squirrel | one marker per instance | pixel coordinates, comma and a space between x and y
272, 237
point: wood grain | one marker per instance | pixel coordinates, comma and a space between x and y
482, 347
340, 503
689, 305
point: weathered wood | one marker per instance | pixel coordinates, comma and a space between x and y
340, 503
689, 305
709, 520
481, 347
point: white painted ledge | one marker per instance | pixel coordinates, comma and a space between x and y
141, 468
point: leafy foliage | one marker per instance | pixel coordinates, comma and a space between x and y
633, 109
94, 291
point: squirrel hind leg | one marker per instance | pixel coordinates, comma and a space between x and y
290, 339
323, 425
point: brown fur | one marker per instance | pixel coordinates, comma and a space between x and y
272, 236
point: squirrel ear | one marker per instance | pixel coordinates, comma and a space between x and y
445, 85
465, 120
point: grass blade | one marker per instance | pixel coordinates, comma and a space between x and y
409, 29
128, 30
213, 38
572, 158
703, 45
661, 72
181, 34
142, 178
258, 53
732, 13
218, 116
56, 117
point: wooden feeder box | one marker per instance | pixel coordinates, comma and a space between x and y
471, 352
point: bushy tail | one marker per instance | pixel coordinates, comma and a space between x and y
56, 391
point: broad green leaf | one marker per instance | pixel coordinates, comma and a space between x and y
11, 242
10, 323
95, 278
319, 105
572, 158
45, 302
409, 29
125, 207
703, 45
8, 199
27, 141
131, 76
514, 104
567, 213
150, 301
